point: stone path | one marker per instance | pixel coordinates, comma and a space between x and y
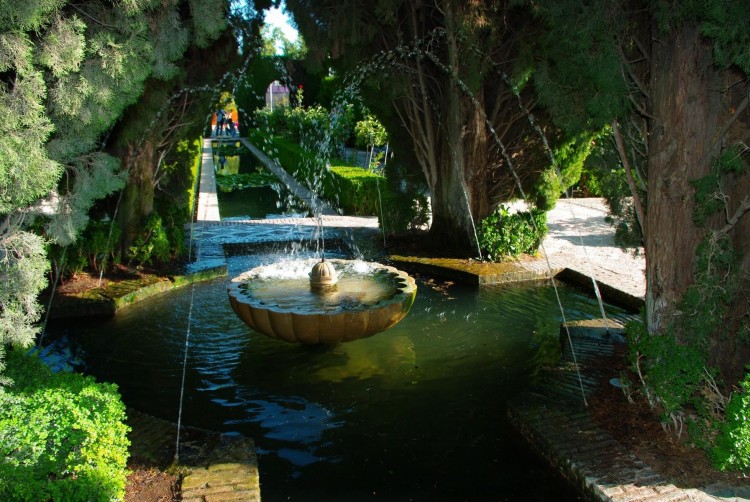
216, 467
581, 244
555, 421
208, 202
581, 240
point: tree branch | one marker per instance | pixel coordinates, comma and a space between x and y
640, 214
725, 128
743, 208
81, 11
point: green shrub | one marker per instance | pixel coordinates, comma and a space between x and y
353, 189
402, 211
94, 248
303, 165
356, 190
506, 234
98, 243
62, 435
673, 373
314, 128
152, 244
732, 450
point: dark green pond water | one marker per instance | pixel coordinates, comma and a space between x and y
414, 413
251, 202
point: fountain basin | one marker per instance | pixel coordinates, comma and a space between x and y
277, 300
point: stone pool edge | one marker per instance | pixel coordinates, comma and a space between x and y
484, 274
106, 301
553, 419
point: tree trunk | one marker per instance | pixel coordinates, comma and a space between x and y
459, 191
138, 195
695, 109
684, 111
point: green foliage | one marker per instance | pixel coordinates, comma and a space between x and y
152, 244
402, 210
231, 182
22, 277
709, 196
672, 373
67, 73
370, 132
570, 158
261, 72
727, 24
275, 43
707, 299
97, 244
96, 176
505, 234
62, 435
356, 189
353, 189
314, 128
305, 166
192, 150
732, 450
579, 79
673, 366
178, 190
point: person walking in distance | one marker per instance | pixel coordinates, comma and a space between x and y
219, 122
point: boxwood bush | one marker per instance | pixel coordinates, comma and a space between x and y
505, 234
62, 435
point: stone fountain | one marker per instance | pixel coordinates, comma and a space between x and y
336, 301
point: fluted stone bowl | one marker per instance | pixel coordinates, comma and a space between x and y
368, 298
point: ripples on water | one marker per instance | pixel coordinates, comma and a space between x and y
414, 413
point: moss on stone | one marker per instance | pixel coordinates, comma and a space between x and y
469, 271
107, 300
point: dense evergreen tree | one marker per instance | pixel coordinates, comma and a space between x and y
68, 71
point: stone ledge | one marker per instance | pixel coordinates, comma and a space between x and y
108, 300
471, 271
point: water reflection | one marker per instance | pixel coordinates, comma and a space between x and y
396, 413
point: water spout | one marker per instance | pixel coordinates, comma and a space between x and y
323, 277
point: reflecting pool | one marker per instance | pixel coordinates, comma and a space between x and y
237, 173
413, 413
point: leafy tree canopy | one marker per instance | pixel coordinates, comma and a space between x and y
68, 70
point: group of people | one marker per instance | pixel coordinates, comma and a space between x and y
225, 125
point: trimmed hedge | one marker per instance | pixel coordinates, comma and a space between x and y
353, 190
359, 191
62, 435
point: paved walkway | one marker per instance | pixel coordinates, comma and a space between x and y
215, 467
208, 202
581, 239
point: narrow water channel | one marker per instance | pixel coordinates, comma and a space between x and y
414, 413
250, 202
